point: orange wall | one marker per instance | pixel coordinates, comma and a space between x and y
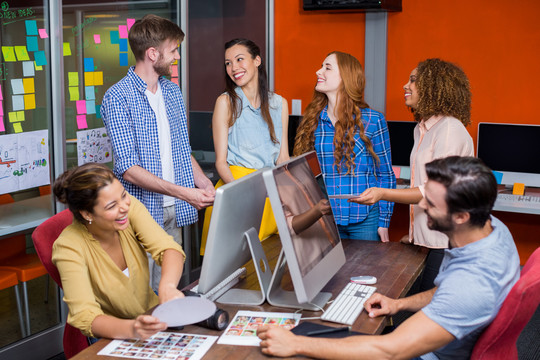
496, 42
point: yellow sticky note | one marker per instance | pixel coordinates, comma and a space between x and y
89, 78
519, 189
22, 53
20, 115
9, 53
12, 116
74, 93
38, 67
98, 78
28, 85
17, 127
29, 101
67, 49
73, 78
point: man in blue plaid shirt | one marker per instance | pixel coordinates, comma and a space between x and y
146, 120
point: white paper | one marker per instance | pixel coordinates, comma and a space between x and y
344, 196
93, 146
184, 311
242, 330
163, 345
24, 161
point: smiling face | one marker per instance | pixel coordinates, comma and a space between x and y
434, 204
411, 93
168, 55
328, 76
111, 210
241, 66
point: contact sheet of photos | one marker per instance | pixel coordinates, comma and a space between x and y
163, 345
242, 330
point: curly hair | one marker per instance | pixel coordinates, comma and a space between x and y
443, 89
350, 102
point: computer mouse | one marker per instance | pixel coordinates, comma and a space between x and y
364, 279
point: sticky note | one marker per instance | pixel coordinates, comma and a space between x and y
130, 23
397, 171
28, 84
67, 49
98, 111
20, 116
9, 53
89, 78
89, 94
18, 102
31, 27
175, 80
81, 122
174, 71
89, 64
32, 43
1, 97
90, 107
12, 116
123, 59
405, 173
22, 53
17, 127
40, 58
17, 86
74, 93
114, 37
97, 39
518, 189
123, 45
498, 176
98, 78
81, 106
122, 31
29, 101
28, 68
43, 33
1, 109
2, 127
38, 68
73, 78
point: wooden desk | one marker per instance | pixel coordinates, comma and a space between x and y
395, 265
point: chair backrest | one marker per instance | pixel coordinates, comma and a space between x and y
44, 237
499, 339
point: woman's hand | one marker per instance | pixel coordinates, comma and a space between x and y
383, 234
168, 293
145, 326
323, 206
369, 196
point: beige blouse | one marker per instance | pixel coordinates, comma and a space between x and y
94, 285
437, 137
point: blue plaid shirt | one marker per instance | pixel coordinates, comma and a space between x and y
366, 172
132, 126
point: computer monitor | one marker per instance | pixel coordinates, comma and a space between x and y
511, 149
234, 228
401, 141
313, 255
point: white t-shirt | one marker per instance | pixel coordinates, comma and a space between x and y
164, 133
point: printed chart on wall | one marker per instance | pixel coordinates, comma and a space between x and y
93, 146
24, 161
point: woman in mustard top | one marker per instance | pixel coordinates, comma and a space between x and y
102, 261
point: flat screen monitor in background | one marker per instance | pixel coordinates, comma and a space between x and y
236, 215
401, 141
313, 255
513, 150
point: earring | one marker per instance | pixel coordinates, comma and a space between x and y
89, 221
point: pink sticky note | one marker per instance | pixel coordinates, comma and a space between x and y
175, 80
81, 122
2, 128
81, 106
122, 31
97, 38
43, 33
397, 171
1, 108
174, 71
1, 98
130, 23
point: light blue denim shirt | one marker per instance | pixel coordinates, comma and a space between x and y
249, 143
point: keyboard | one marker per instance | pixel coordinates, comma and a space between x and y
348, 304
520, 201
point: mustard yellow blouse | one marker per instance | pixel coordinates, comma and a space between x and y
94, 285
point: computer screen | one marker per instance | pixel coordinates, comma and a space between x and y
238, 207
511, 149
315, 254
401, 141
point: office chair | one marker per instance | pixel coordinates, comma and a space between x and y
498, 341
44, 236
7, 280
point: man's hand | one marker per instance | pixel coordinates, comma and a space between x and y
199, 198
145, 326
276, 341
378, 305
383, 234
369, 196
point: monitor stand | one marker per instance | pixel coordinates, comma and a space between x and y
278, 297
264, 275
